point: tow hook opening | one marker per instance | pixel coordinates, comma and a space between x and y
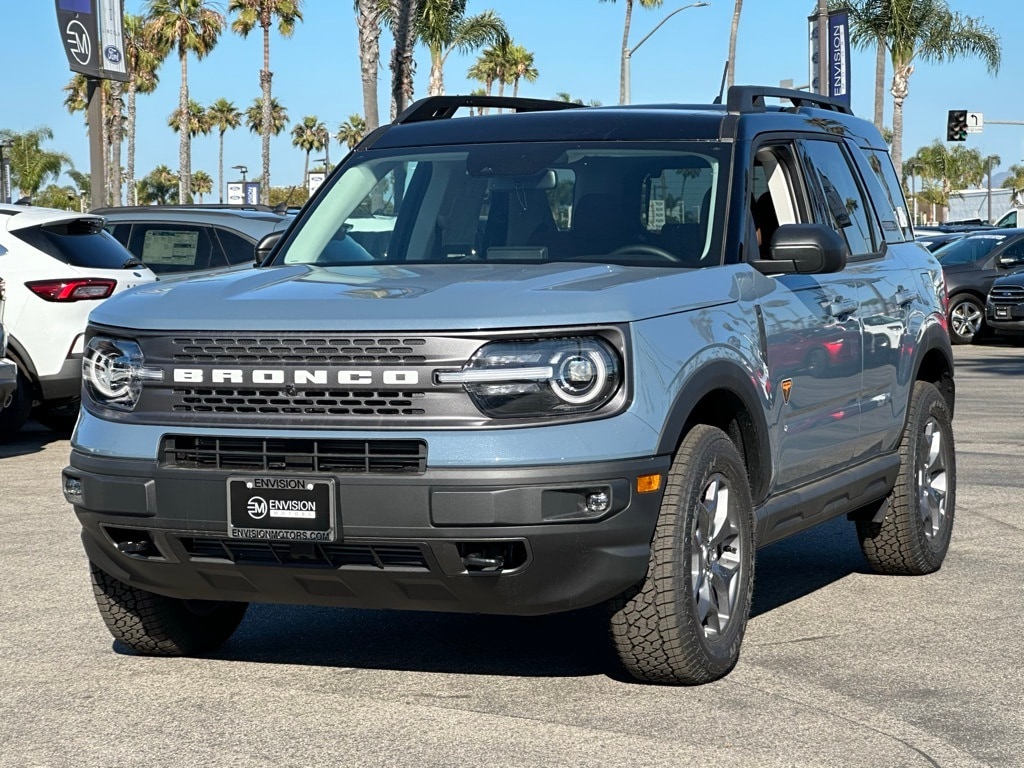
491, 556
133, 542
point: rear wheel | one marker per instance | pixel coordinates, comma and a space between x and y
156, 625
685, 622
914, 536
14, 416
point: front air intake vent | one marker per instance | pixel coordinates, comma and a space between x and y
238, 454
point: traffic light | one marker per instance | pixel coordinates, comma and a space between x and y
956, 125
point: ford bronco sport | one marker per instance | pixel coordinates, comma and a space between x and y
589, 357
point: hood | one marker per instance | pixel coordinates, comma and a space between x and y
435, 297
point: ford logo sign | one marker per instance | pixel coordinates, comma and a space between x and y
112, 54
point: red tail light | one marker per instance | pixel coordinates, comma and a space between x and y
83, 289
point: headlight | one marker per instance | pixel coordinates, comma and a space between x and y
113, 371
540, 377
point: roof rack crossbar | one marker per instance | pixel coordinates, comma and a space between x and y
444, 107
750, 98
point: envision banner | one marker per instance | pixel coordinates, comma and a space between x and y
91, 31
837, 51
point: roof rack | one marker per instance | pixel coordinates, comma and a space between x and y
443, 107
750, 98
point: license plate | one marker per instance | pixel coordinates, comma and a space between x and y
1003, 312
282, 509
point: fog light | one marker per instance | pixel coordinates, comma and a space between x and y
599, 502
72, 487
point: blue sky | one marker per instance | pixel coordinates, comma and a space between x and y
576, 44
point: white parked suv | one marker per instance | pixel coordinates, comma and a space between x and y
57, 265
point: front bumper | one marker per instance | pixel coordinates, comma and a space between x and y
8, 380
1008, 318
406, 542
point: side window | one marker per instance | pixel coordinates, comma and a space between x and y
168, 248
838, 199
775, 197
120, 233
881, 167
237, 249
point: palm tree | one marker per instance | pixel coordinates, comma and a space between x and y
198, 121
157, 188
261, 13
402, 15
442, 25
189, 26
484, 71
368, 15
142, 60
520, 66
310, 135
734, 30
223, 116
920, 29
31, 165
625, 40
351, 132
1015, 179
202, 184
278, 117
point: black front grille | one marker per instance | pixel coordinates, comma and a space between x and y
1007, 294
313, 555
295, 454
302, 403
298, 350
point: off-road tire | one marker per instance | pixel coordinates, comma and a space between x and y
660, 629
14, 416
965, 312
155, 625
914, 536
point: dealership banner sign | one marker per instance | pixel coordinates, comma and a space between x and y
836, 49
92, 33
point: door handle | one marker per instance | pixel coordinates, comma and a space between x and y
840, 307
903, 296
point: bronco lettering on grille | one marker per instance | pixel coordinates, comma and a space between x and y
298, 377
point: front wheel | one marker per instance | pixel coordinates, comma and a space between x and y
685, 622
155, 625
966, 320
14, 416
914, 536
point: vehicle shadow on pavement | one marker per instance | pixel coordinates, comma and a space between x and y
563, 645
31, 439
795, 567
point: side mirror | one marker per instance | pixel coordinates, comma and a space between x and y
804, 249
1008, 262
266, 246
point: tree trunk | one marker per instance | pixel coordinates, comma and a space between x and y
880, 52
436, 87
368, 21
900, 88
404, 13
220, 167
625, 52
731, 64
265, 77
105, 140
184, 137
130, 196
116, 136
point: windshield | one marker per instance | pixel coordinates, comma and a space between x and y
968, 249
524, 202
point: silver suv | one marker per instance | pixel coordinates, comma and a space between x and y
588, 357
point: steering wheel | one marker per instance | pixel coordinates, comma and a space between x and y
646, 250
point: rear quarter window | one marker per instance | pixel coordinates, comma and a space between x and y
82, 243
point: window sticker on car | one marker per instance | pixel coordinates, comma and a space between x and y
170, 247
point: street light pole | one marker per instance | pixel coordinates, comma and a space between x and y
631, 51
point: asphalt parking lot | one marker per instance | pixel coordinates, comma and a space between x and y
840, 667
